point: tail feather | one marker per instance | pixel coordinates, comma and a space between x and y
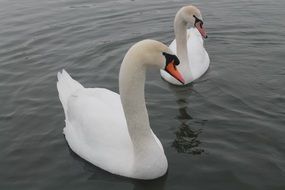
66, 86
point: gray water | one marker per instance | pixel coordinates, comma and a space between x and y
224, 131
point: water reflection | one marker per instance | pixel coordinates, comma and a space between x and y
186, 140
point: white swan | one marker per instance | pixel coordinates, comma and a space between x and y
188, 45
112, 131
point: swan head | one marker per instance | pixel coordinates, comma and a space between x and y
192, 14
171, 61
151, 53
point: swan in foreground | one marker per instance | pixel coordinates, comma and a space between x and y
112, 131
188, 45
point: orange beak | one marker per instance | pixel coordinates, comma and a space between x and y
201, 29
172, 70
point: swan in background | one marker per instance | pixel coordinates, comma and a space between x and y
188, 46
112, 131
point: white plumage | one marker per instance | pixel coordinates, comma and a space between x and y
112, 131
189, 47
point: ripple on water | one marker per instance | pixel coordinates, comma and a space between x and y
223, 131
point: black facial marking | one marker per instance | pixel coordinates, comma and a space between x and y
198, 20
169, 58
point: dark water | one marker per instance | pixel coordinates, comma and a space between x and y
225, 131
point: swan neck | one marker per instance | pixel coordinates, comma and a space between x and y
180, 30
131, 86
148, 157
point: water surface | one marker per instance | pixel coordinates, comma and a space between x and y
224, 131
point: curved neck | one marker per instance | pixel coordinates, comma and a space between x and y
131, 85
180, 30
148, 159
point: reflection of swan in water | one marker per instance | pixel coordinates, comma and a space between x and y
186, 140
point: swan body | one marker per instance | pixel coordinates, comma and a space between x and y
189, 46
112, 131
